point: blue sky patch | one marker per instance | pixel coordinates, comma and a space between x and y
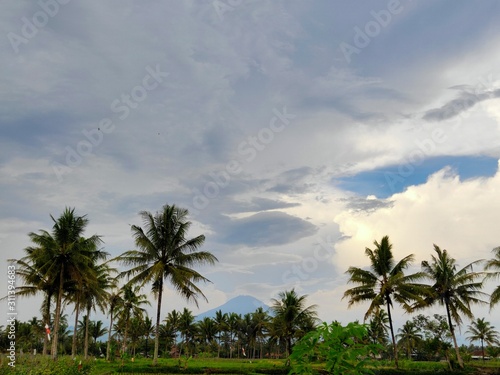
384, 182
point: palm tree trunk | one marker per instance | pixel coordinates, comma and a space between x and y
108, 347
394, 345
46, 318
77, 312
86, 339
452, 331
55, 339
157, 328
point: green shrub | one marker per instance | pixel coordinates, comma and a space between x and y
344, 350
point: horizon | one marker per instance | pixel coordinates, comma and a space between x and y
295, 133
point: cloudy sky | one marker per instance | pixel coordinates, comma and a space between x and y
296, 133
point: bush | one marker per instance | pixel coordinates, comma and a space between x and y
343, 349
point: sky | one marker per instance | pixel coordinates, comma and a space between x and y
296, 134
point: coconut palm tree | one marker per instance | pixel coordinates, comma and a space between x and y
97, 330
95, 293
233, 324
221, 327
378, 327
494, 264
130, 308
384, 283
456, 289
261, 321
206, 330
187, 328
115, 300
292, 319
35, 283
409, 336
63, 257
165, 254
483, 331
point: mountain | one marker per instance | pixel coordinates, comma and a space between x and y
239, 305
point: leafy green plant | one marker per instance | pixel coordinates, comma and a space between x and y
343, 349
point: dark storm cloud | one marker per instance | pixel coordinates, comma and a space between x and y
266, 229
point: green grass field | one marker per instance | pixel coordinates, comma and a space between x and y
67, 366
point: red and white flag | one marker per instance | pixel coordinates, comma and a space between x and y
47, 331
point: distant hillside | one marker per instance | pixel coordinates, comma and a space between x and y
239, 305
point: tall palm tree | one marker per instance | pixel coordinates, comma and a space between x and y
384, 283
453, 288
292, 319
62, 257
494, 264
409, 336
483, 331
166, 254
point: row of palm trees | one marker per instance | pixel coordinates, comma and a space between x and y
72, 270
457, 289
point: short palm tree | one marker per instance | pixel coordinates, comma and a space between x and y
292, 319
483, 331
131, 307
378, 327
456, 289
164, 253
409, 336
35, 283
115, 300
187, 329
494, 264
384, 283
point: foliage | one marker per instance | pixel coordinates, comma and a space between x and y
47, 366
455, 289
292, 319
483, 331
344, 349
166, 254
494, 264
384, 283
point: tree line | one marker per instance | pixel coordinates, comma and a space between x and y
456, 289
73, 271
